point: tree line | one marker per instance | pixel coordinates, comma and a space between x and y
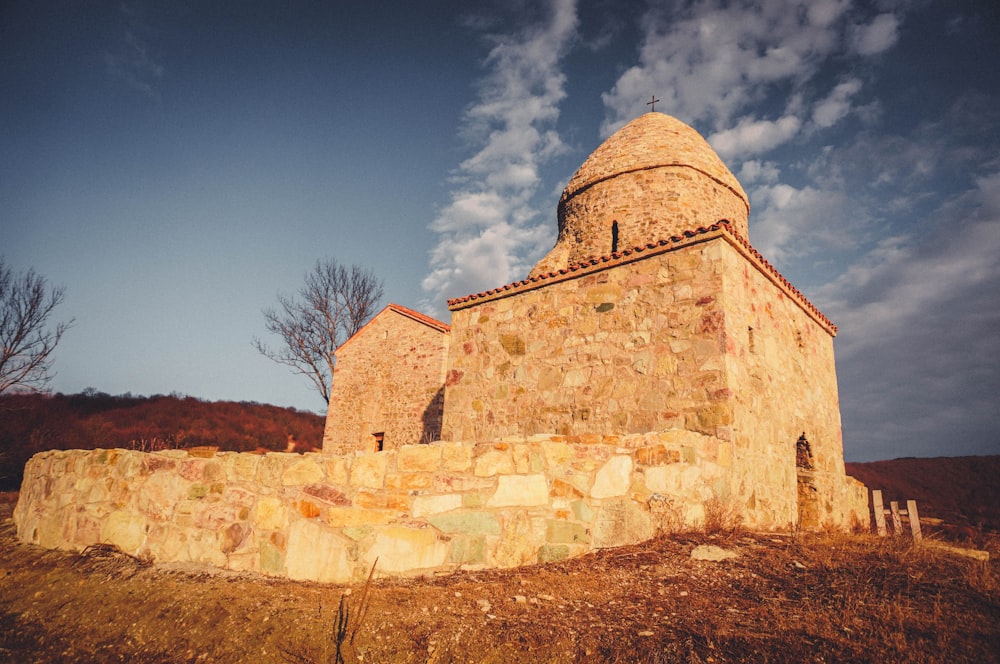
35, 422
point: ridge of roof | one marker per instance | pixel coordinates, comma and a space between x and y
404, 311
720, 229
419, 317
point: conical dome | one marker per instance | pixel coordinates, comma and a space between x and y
653, 178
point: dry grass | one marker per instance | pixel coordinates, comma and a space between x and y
825, 597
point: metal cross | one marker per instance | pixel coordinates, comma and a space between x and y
652, 103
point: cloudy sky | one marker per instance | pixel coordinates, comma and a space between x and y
177, 165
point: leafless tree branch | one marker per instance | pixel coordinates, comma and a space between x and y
335, 302
26, 302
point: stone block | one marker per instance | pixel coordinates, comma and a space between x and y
342, 517
335, 469
368, 470
520, 490
303, 471
621, 522
566, 532
613, 478
315, 553
455, 457
418, 458
408, 481
517, 544
494, 461
269, 513
468, 550
425, 505
470, 523
124, 529
158, 496
404, 550
382, 500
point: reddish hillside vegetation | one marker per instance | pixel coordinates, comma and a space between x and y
963, 491
31, 423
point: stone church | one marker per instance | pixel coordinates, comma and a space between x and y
652, 313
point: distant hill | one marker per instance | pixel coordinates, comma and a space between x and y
963, 491
31, 423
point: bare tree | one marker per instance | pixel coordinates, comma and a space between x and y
334, 304
26, 302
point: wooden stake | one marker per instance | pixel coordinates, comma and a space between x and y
879, 512
911, 512
897, 523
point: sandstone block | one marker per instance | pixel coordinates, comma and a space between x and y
494, 462
303, 471
520, 490
269, 513
316, 553
124, 529
613, 478
455, 457
342, 517
418, 458
368, 470
399, 550
471, 523
425, 505
562, 532
621, 522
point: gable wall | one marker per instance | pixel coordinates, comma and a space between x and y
387, 379
630, 349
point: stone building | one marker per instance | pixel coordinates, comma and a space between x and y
652, 313
388, 384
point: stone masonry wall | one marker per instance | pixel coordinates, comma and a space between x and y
624, 350
685, 199
780, 360
417, 509
388, 379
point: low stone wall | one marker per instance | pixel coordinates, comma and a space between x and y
418, 509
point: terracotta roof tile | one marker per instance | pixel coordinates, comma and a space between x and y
722, 228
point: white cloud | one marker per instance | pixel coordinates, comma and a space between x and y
131, 60
877, 36
751, 136
709, 62
755, 171
796, 221
827, 112
487, 231
918, 319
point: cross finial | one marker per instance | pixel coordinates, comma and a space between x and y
652, 103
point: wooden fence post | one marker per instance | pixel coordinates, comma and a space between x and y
911, 512
879, 512
897, 523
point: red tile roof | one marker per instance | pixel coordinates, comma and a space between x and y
409, 313
722, 229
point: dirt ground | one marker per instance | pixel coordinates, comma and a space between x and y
783, 599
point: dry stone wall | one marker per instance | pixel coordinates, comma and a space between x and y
417, 509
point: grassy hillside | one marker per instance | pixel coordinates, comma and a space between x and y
962, 491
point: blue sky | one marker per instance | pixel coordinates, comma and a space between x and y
177, 165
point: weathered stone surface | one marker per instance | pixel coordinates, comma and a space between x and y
124, 529
369, 470
614, 478
304, 471
418, 458
471, 523
621, 522
402, 550
316, 553
425, 505
520, 490
270, 513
